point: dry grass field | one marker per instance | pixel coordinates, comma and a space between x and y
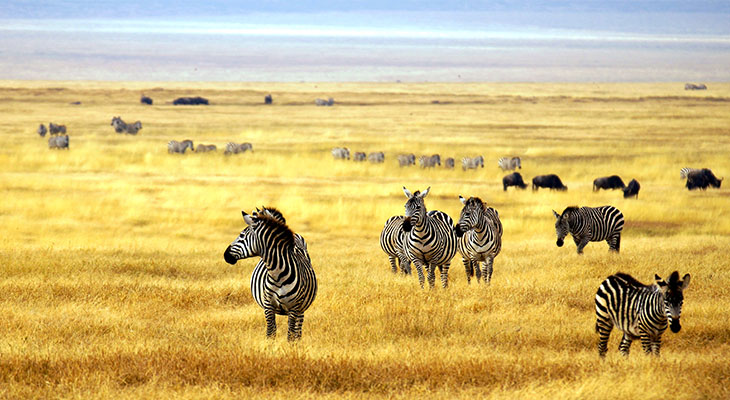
113, 283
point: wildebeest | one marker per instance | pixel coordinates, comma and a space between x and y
701, 179
54, 129
509, 163
145, 100
173, 146
376, 157
472, 162
235, 148
449, 163
58, 142
632, 189
429, 161
513, 179
695, 86
323, 102
608, 182
204, 148
359, 156
341, 153
42, 130
268, 99
190, 101
405, 160
550, 181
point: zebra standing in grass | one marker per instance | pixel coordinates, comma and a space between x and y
118, 124
203, 148
290, 285
479, 237
391, 241
235, 148
341, 153
429, 238
509, 163
58, 142
429, 161
173, 146
376, 157
684, 172
42, 130
640, 311
54, 129
472, 163
588, 224
405, 160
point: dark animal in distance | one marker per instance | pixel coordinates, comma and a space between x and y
190, 101
513, 179
550, 181
449, 163
145, 100
632, 189
326, 103
608, 182
54, 129
268, 99
42, 130
702, 179
695, 86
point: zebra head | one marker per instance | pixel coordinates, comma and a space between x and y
673, 297
471, 214
562, 225
415, 208
266, 230
246, 244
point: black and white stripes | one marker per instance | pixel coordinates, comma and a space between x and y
391, 241
479, 233
587, 224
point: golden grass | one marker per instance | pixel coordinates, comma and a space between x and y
114, 285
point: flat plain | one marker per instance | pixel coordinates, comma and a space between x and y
113, 283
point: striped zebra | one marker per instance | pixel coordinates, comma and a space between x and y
405, 160
684, 172
429, 238
54, 129
235, 148
58, 142
341, 153
587, 224
479, 237
509, 163
204, 148
290, 285
639, 311
449, 163
391, 241
173, 146
472, 162
429, 161
359, 156
376, 157
42, 130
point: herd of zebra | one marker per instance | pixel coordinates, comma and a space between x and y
58, 139
425, 161
430, 239
122, 127
173, 146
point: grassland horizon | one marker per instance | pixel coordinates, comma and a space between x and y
114, 284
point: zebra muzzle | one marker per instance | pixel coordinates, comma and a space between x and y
230, 259
675, 326
559, 242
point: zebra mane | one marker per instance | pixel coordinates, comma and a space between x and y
277, 228
476, 201
570, 209
274, 212
630, 280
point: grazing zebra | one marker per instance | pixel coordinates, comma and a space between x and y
132, 129
323, 102
203, 148
119, 125
479, 237
54, 129
42, 130
341, 153
509, 163
359, 156
449, 163
58, 142
376, 157
587, 224
640, 311
684, 172
405, 160
173, 146
290, 285
429, 238
235, 148
472, 163
391, 241
429, 161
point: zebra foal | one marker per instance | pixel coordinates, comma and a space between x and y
639, 311
587, 224
479, 237
290, 285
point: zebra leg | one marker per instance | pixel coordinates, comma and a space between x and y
487, 269
405, 265
477, 270
614, 243
295, 326
431, 275
581, 245
270, 323
469, 269
625, 345
419, 270
393, 266
646, 343
445, 275
656, 344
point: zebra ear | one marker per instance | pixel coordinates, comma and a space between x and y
425, 192
660, 283
407, 192
247, 218
685, 281
557, 216
462, 199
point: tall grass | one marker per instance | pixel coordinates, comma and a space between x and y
114, 285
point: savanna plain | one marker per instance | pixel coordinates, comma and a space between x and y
113, 283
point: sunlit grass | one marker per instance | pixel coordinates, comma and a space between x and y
114, 285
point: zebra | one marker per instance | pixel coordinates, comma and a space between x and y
119, 125
58, 142
203, 148
54, 129
405, 160
391, 241
429, 161
429, 238
290, 285
472, 163
449, 163
684, 172
132, 129
323, 102
376, 157
587, 224
509, 163
359, 156
640, 311
341, 153
479, 237
235, 148
173, 146
42, 130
